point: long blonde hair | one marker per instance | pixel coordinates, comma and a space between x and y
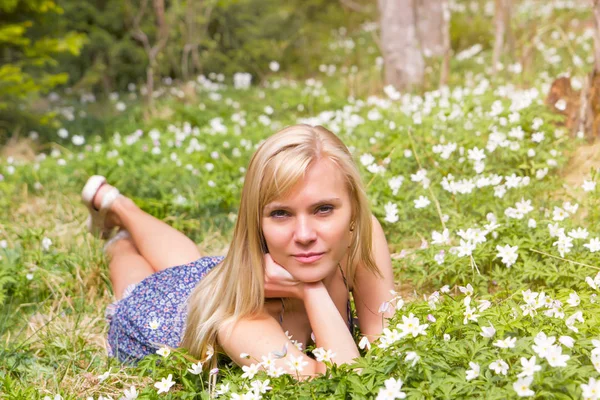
234, 289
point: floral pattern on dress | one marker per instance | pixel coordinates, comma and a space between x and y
161, 297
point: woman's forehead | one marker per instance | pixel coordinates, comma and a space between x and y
322, 180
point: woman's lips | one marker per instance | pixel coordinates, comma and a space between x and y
308, 258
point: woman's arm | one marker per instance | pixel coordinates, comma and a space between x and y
371, 291
262, 334
330, 329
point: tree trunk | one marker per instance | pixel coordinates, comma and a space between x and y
596, 11
445, 68
403, 60
499, 32
430, 26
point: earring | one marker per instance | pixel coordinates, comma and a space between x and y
352, 226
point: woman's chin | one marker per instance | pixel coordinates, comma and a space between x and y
311, 275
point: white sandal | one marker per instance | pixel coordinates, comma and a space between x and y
97, 218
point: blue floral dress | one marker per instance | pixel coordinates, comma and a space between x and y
152, 312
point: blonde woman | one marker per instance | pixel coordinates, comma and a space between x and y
304, 238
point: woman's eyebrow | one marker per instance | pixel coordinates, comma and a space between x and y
275, 206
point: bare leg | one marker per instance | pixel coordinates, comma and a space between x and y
126, 266
161, 245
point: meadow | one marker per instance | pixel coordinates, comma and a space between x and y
489, 204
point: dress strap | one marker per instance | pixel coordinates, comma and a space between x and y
282, 311
348, 308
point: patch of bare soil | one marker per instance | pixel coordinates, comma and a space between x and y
582, 162
19, 149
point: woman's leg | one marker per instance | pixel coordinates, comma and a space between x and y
126, 266
161, 245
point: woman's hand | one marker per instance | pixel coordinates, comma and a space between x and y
279, 282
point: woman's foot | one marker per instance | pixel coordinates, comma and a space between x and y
100, 197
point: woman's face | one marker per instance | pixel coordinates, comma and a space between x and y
308, 231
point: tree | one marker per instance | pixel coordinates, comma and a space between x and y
160, 40
412, 30
29, 50
403, 59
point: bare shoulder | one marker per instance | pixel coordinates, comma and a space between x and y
258, 336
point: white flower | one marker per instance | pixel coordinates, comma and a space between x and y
392, 390
593, 245
556, 230
465, 248
323, 355
567, 341
537, 137
508, 254
154, 324
412, 356
559, 214
250, 371
484, 305
467, 290
508, 343
130, 394
570, 322
78, 140
63, 133
163, 351
521, 386
165, 384
440, 238
411, 326
261, 386
524, 206
367, 159
364, 343
588, 186
542, 344
529, 367
196, 368
574, 299
422, 202
391, 213
446, 337
395, 183
473, 372
488, 332
104, 376
470, 315
297, 364
274, 66
561, 105
579, 233
46, 243
476, 154
563, 244
594, 283
570, 208
555, 357
531, 223
275, 372
223, 389
499, 367
591, 390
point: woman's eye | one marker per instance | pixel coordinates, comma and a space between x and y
278, 213
325, 209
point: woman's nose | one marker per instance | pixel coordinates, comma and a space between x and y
304, 230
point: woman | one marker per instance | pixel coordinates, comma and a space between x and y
303, 239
